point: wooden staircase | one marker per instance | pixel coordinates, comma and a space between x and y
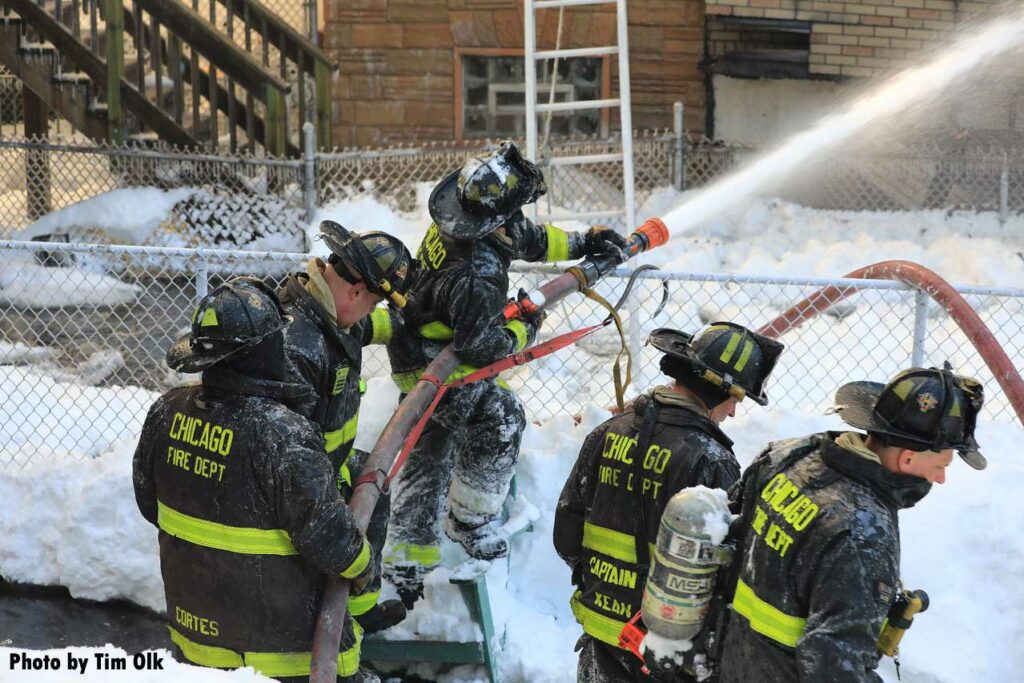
224, 75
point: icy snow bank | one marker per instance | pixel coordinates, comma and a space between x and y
30, 285
128, 215
170, 669
76, 523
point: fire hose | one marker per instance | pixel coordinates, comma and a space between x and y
418, 402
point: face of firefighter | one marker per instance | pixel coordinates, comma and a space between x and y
930, 465
724, 410
352, 303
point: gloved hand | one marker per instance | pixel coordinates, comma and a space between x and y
602, 240
530, 315
370, 576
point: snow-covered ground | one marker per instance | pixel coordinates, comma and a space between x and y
71, 520
74, 522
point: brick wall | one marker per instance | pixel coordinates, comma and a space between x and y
866, 37
397, 59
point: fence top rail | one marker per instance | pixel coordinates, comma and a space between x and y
200, 253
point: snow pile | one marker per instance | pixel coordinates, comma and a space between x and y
17, 352
129, 215
169, 670
29, 285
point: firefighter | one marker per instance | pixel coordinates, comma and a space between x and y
463, 464
819, 557
335, 310
632, 464
251, 522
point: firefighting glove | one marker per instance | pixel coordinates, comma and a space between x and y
530, 315
370, 577
601, 240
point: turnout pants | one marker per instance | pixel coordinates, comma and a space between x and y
463, 462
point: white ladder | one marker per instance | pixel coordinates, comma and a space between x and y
533, 108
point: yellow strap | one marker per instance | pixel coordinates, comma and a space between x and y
359, 605
437, 331
233, 539
380, 323
358, 564
765, 619
332, 440
599, 626
410, 552
275, 664
518, 328
620, 384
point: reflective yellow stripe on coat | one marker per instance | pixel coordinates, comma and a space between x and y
599, 626
767, 620
275, 664
233, 539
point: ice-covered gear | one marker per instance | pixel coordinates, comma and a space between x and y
251, 523
602, 663
920, 409
819, 564
382, 616
235, 316
610, 507
380, 260
458, 297
464, 461
328, 360
601, 239
685, 562
478, 198
480, 541
733, 360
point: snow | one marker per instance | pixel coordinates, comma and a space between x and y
127, 215
74, 522
29, 285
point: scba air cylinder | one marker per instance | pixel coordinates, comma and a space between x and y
685, 561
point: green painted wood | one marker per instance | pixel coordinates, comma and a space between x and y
113, 13
322, 73
438, 651
274, 128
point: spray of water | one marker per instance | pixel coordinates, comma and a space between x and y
892, 97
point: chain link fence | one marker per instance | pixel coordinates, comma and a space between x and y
85, 329
279, 196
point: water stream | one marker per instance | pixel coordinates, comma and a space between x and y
892, 97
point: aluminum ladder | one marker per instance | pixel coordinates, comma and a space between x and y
622, 102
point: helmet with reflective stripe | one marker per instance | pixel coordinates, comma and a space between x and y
235, 316
920, 409
378, 259
729, 357
478, 198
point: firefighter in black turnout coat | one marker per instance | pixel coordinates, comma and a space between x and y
467, 454
334, 306
251, 522
820, 545
630, 466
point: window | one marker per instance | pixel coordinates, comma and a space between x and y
493, 88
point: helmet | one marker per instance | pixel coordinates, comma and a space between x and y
478, 198
920, 409
733, 359
381, 260
235, 316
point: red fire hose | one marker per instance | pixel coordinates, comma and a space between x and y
929, 282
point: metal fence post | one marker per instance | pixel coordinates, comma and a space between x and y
309, 164
202, 277
679, 166
314, 21
920, 327
1004, 191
